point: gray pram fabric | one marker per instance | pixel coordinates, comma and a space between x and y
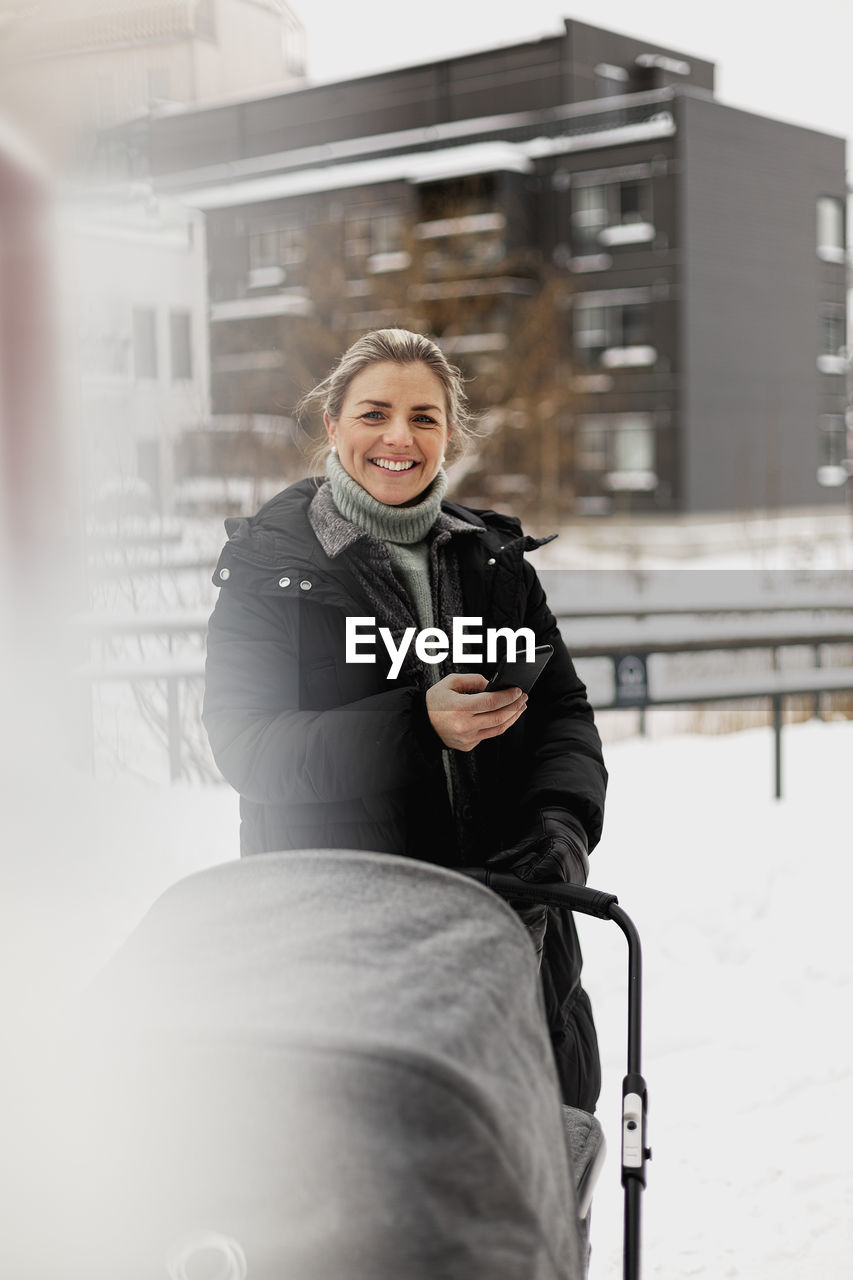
338, 1062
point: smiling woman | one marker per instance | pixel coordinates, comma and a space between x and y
392, 431
408, 754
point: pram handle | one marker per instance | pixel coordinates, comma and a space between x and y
590, 902
635, 1152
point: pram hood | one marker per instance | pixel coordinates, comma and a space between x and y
339, 1061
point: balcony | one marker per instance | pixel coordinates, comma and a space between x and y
636, 357
473, 288
832, 364
471, 224
627, 233
394, 260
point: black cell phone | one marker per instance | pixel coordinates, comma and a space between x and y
519, 674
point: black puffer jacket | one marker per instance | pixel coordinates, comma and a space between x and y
330, 754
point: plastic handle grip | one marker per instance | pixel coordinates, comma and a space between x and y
590, 902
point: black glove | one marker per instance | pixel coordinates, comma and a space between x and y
556, 851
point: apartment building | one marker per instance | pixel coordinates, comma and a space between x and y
132, 277
660, 276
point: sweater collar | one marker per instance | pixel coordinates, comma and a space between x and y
407, 524
336, 535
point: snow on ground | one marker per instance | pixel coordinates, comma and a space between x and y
814, 539
743, 905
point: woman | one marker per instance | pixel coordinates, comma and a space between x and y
326, 747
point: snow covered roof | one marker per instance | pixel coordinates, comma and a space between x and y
422, 166
425, 166
661, 125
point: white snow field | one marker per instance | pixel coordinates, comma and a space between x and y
742, 904
743, 907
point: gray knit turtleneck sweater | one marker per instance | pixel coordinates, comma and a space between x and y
402, 529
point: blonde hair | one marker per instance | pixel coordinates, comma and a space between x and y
399, 346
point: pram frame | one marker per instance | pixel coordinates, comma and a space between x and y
635, 1151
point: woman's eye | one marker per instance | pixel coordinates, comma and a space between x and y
424, 421
372, 413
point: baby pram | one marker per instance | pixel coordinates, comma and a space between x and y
325, 1065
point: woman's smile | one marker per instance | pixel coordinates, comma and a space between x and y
394, 464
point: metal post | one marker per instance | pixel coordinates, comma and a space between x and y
174, 722
635, 1152
777, 745
632, 1243
818, 698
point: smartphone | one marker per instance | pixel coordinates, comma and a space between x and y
519, 674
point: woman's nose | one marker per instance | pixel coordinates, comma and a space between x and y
398, 431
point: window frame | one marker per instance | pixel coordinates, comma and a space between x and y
612, 430
287, 241
832, 427
613, 330
145, 343
831, 247
181, 362
611, 208
367, 242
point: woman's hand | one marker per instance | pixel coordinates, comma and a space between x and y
462, 715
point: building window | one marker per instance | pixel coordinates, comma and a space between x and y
591, 452
275, 242
633, 447
472, 241
144, 342
592, 326
830, 229
633, 202
607, 213
832, 352
373, 229
180, 346
610, 80
833, 440
832, 331
617, 452
834, 452
613, 332
589, 218
159, 84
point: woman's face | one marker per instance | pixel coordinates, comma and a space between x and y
392, 430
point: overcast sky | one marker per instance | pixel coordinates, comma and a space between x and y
797, 68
